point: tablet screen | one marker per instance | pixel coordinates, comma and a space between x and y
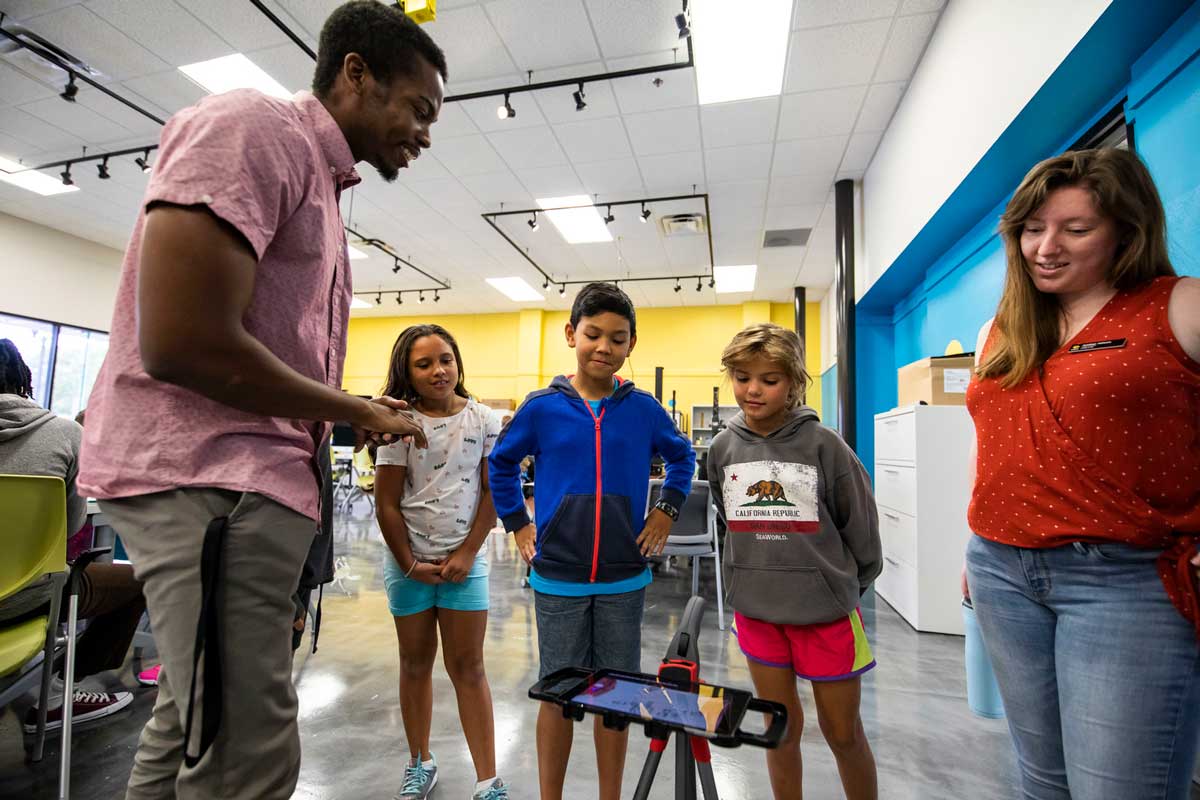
710, 708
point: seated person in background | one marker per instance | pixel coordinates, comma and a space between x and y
34, 441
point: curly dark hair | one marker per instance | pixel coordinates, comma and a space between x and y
388, 42
596, 298
15, 376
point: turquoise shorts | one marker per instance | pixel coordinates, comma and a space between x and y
407, 596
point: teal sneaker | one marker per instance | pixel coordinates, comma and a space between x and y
497, 791
419, 780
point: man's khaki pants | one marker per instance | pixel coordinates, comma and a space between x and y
256, 753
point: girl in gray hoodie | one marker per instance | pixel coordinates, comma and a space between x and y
802, 545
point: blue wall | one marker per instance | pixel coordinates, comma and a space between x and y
947, 282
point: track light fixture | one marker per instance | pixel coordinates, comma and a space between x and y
399, 298
645, 215
420, 297
533, 223
436, 296
102, 169
71, 89
562, 289
712, 283
144, 161
66, 176
608, 217
578, 97
546, 283
678, 286
395, 264
681, 22
698, 285
506, 111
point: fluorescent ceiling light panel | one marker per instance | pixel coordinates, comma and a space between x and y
233, 72
578, 225
358, 302
735, 279
515, 289
355, 253
740, 48
31, 179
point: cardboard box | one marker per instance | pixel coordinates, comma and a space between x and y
503, 404
938, 380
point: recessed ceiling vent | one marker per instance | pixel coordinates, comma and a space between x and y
683, 224
786, 237
33, 64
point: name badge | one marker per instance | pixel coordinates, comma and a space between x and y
1087, 347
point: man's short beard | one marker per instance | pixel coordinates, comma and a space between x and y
388, 173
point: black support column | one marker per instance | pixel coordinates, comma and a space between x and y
843, 222
798, 301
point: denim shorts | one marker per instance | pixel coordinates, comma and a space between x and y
407, 596
602, 631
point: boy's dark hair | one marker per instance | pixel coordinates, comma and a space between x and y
15, 376
596, 298
398, 385
388, 41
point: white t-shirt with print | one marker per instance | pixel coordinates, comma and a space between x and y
442, 486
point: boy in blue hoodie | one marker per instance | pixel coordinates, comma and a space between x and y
593, 436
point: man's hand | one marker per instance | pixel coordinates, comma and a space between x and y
527, 542
384, 420
427, 572
654, 533
456, 568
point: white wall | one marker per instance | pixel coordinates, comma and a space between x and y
985, 61
54, 276
829, 329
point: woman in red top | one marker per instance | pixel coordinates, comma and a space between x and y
1086, 502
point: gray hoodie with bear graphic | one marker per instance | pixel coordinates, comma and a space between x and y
802, 541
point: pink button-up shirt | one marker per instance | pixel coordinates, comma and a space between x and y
273, 169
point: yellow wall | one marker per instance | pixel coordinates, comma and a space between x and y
510, 355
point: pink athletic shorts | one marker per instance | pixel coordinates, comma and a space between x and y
827, 651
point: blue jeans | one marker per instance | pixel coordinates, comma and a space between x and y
1099, 673
600, 631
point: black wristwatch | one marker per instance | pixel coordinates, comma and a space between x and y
668, 509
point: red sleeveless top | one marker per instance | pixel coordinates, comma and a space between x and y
1100, 445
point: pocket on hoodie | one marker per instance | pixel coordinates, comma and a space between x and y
786, 595
618, 543
567, 537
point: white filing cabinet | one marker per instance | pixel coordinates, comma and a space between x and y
922, 490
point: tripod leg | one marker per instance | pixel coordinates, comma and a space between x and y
657, 746
685, 768
703, 758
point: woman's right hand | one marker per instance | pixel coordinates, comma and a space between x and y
427, 572
527, 542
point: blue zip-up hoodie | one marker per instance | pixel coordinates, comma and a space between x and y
579, 539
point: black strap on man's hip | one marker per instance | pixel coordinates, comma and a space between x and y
208, 642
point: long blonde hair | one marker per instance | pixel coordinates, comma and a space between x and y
1027, 321
776, 344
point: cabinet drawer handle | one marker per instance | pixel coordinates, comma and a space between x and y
891, 561
891, 421
892, 471
895, 517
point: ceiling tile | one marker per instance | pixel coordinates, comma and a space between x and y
672, 131
453, 120
239, 23
748, 162
639, 93
443, 194
826, 58
808, 156
528, 147
84, 35
904, 47
425, 168
743, 122
473, 48
672, 172
879, 106
285, 63
793, 216
814, 114
800, 189
164, 29
468, 155
495, 188
558, 105
725, 197
544, 33
170, 91
593, 140
22, 10
482, 112
556, 181
632, 27
921, 6
610, 177
820, 13
123, 115
77, 119
17, 88
860, 151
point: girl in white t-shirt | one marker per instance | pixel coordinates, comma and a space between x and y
435, 511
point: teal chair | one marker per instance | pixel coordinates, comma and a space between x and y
33, 538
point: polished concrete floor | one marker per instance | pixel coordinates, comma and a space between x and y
927, 744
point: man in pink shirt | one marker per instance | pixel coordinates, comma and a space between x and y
222, 378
